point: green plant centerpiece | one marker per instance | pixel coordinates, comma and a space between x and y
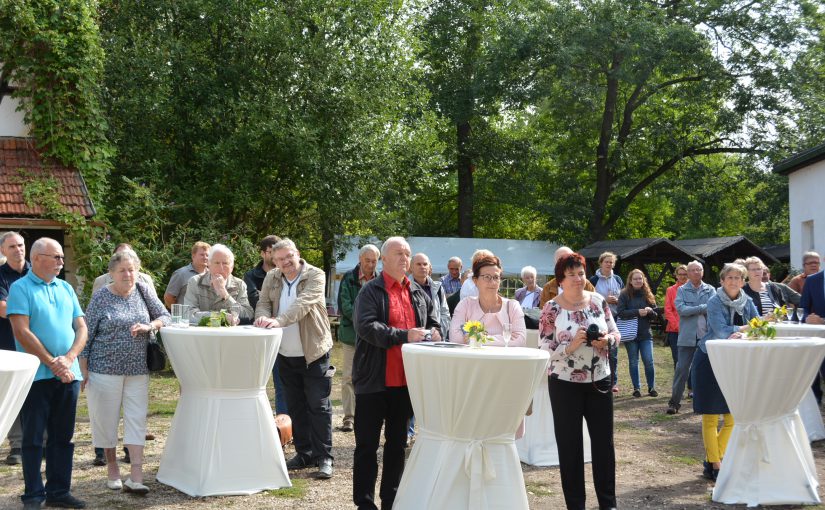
215, 320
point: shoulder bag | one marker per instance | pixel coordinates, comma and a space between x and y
155, 358
628, 328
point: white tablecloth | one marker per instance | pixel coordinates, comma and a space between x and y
223, 438
17, 370
538, 445
808, 408
468, 404
768, 460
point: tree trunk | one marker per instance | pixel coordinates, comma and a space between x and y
465, 181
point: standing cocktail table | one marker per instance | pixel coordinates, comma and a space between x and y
223, 438
17, 370
768, 459
468, 404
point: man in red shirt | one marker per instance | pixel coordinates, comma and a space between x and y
390, 311
671, 315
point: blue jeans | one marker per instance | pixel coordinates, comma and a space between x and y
280, 393
634, 348
50, 406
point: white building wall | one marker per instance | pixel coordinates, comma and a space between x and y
11, 120
806, 190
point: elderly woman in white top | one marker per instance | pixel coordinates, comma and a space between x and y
121, 317
217, 289
528, 296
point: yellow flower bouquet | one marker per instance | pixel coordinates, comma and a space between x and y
760, 329
475, 332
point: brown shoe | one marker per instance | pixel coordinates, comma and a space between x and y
347, 426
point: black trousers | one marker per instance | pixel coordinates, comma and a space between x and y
571, 402
392, 409
307, 391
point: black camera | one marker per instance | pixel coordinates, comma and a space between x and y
593, 333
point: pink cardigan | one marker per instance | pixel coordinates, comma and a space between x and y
468, 309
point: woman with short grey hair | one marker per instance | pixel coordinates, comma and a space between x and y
528, 296
729, 311
121, 318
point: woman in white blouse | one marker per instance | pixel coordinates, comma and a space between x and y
579, 382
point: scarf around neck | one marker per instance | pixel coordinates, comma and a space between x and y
738, 304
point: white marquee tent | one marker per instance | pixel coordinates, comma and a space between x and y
514, 253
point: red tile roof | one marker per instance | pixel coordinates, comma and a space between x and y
18, 161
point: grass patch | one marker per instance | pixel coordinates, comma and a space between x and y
686, 460
162, 407
297, 491
538, 489
662, 418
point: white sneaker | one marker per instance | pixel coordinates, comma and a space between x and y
135, 487
115, 485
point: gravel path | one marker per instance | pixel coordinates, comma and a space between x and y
658, 464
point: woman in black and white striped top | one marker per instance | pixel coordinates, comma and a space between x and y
766, 295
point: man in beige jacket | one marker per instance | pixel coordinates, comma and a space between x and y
292, 298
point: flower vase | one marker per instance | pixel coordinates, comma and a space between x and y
474, 343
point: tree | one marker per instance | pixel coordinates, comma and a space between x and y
473, 78
635, 90
258, 117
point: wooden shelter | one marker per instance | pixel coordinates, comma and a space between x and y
639, 253
717, 251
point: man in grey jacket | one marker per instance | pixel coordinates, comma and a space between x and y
421, 270
691, 305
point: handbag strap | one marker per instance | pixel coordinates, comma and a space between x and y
152, 338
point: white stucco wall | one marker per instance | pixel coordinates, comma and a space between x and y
806, 190
11, 121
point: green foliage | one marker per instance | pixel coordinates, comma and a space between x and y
51, 50
300, 119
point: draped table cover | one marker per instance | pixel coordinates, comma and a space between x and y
808, 408
223, 438
538, 445
17, 370
468, 404
768, 459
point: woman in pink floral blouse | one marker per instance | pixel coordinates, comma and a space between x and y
579, 382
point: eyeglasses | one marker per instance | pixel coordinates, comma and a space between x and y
55, 257
490, 277
811, 263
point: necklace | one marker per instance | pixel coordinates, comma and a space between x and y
491, 309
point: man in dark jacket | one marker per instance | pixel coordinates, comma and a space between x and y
351, 285
390, 311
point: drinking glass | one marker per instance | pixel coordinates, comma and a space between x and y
180, 315
800, 312
235, 310
215, 319
505, 334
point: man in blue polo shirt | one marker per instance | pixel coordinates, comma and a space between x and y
13, 247
48, 323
